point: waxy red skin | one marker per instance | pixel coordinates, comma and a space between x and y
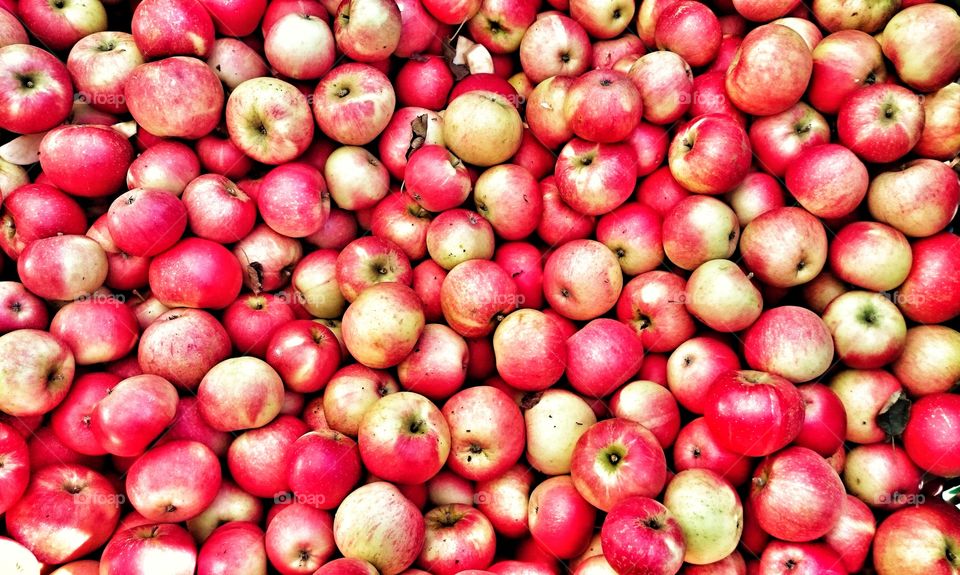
931, 436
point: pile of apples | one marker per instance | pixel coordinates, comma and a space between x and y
511, 287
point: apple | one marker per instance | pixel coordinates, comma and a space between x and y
595, 178
650, 144
504, 500
530, 350
298, 539
789, 341
633, 232
927, 363
709, 513
500, 26
698, 229
37, 372
424, 81
486, 433
66, 512
784, 247
100, 64
554, 45
866, 394
934, 529
231, 505
523, 261
825, 423
476, 295
68, 151
378, 524
259, 130
602, 106
167, 165
347, 566
561, 520
509, 197
353, 103
710, 97
370, 260
196, 273
582, 279
11, 30
893, 197
217, 209
881, 123
437, 366
427, 280
748, 78
14, 466
63, 215
851, 537
710, 154
257, 458
134, 550
852, 256
602, 18
844, 62
310, 56
784, 557
828, 180
322, 468
59, 27
174, 482
697, 448
778, 140
721, 296
240, 393
919, 42
648, 304
367, 30
883, 476
39, 89
665, 84
868, 329
641, 519
192, 97
234, 62
545, 111
234, 546
458, 538
602, 356
689, 29
165, 345
555, 421
351, 392
924, 440
651, 405
482, 128
164, 28
395, 312
939, 139
931, 292
305, 354
561, 223
447, 488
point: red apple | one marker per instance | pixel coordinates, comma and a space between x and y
353, 103
196, 273
269, 120
167, 165
640, 535
174, 482
15, 468
881, 123
164, 28
689, 29
893, 197
37, 372
192, 97
595, 178
554, 45
240, 393
509, 197
236, 546
697, 448
919, 41
257, 458
351, 392
134, 550
933, 528
853, 259
931, 292
748, 78
779, 139
37, 91
437, 366
504, 500
458, 538
784, 247
648, 305
710, 154
851, 537
883, 476
561, 520
165, 346
217, 209
698, 229
582, 279
926, 437
486, 433
368, 30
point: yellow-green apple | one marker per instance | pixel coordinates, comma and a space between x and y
476, 295
114, 323
710, 97
240, 393
851, 537
650, 144
721, 296
231, 505
59, 26
853, 256
409, 129
582, 279
931, 292
825, 421
167, 165
458, 537
544, 113
351, 392
20, 225
866, 395
640, 535
807, 558
218, 210
299, 539
196, 273
709, 513
524, 262
650, 404
648, 304
174, 482
881, 123
561, 520
353, 104
927, 437
356, 178
146, 222
482, 128
595, 178
602, 18
269, 120
100, 64
437, 366
164, 28
868, 329
407, 427
486, 432
633, 232
940, 138
368, 30
752, 412
748, 78
530, 350
66, 512
234, 62
135, 550
555, 420
828, 180
235, 547
861, 15
689, 29
698, 229
921, 43
300, 46
12, 176
69, 153
37, 90
500, 25
15, 469
315, 280
603, 355
164, 346
561, 223
710, 154
378, 524
930, 362
603, 106
665, 84
509, 197
504, 500
777, 140
894, 197
883, 476
191, 96
697, 448
370, 260
257, 458
785, 478
305, 354
617, 459
381, 327
784, 247
424, 81
933, 532
37, 374
322, 468
844, 62
789, 341
555, 45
